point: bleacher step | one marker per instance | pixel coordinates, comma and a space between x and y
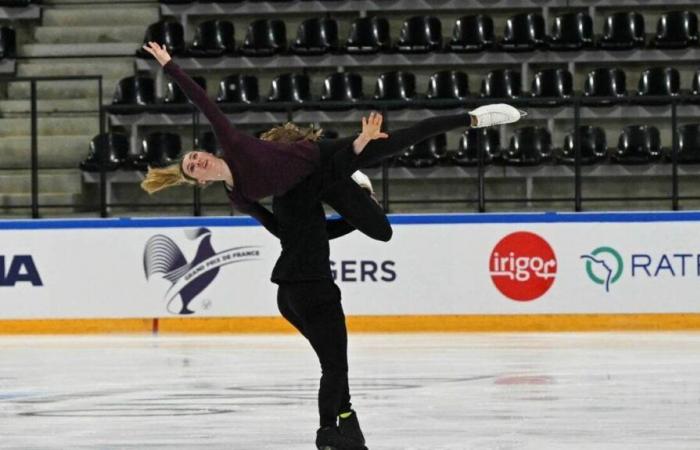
56, 180
56, 152
95, 15
63, 89
77, 49
68, 35
87, 125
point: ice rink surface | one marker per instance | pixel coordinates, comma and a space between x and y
419, 391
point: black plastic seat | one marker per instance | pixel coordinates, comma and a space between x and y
475, 140
689, 144
447, 89
208, 142
343, 88
8, 43
238, 89
623, 31
169, 34
133, 93
265, 37
523, 32
676, 29
659, 81
638, 144
426, 153
529, 146
290, 87
472, 34
16, 3
369, 35
594, 147
175, 96
554, 85
397, 88
316, 36
420, 34
605, 86
213, 38
503, 83
113, 147
572, 31
158, 149
695, 86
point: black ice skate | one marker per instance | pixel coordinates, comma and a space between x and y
350, 427
329, 438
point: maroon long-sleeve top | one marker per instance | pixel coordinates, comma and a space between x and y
260, 168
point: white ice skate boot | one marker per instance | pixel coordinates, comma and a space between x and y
496, 114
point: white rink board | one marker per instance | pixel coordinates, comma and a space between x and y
433, 265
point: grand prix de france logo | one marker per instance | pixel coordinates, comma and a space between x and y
604, 266
523, 266
163, 257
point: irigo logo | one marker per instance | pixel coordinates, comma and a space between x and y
523, 266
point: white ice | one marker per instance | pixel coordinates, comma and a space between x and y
420, 391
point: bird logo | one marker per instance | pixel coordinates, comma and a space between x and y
162, 257
606, 260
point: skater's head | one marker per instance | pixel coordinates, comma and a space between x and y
290, 132
194, 168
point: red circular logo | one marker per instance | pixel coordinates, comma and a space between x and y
523, 266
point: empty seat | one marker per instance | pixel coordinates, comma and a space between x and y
427, 152
397, 87
659, 81
344, 88
529, 146
472, 34
475, 140
623, 31
605, 86
695, 84
676, 29
213, 38
420, 34
504, 83
240, 89
169, 34
369, 35
16, 3
689, 144
8, 42
133, 93
572, 31
523, 32
175, 96
553, 84
594, 146
112, 147
316, 37
447, 88
158, 150
638, 144
208, 142
265, 37
290, 87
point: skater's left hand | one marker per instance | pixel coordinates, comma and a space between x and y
371, 129
159, 53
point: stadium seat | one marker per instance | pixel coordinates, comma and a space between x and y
447, 89
472, 34
8, 43
369, 35
529, 146
316, 37
594, 147
114, 147
659, 81
486, 140
158, 150
345, 87
426, 153
420, 34
132, 93
175, 96
397, 87
290, 87
555, 85
209, 143
605, 86
676, 29
523, 32
504, 83
688, 144
623, 31
213, 38
239, 89
16, 3
265, 37
169, 34
572, 31
638, 144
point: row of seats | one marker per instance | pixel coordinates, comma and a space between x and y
420, 34
17, 3
602, 86
529, 146
8, 43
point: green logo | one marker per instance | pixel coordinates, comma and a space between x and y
609, 261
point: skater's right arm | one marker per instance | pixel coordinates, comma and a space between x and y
262, 215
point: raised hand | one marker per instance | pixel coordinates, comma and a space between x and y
371, 129
159, 53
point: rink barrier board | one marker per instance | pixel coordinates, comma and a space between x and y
366, 324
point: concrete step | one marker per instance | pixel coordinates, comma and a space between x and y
55, 152
95, 15
69, 89
22, 108
107, 67
50, 180
48, 198
68, 35
79, 49
82, 125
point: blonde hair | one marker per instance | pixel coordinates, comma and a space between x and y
290, 132
159, 178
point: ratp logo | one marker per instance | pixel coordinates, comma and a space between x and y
604, 266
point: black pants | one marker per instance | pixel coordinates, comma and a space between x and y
314, 309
